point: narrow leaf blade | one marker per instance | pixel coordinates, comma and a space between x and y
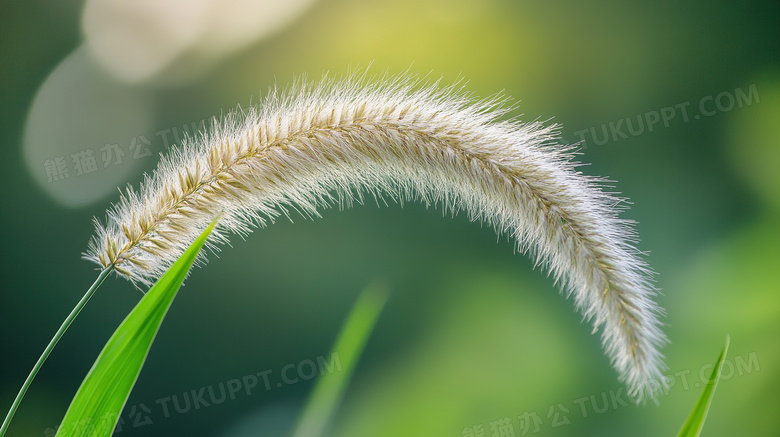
96, 407
695, 422
349, 345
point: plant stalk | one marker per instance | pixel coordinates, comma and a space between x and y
57, 336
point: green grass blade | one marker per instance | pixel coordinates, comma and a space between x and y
349, 345
695, 422
99, 401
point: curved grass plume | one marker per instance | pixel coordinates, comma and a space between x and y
333, 142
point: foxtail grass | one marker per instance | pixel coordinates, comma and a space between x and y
337, 141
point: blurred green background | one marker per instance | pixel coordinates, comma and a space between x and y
473, 340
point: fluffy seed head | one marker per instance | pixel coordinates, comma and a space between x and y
333, 142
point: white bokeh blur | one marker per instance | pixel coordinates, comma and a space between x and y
82, 136
176, 41
89, 125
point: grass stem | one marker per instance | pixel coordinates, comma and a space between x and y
57, 336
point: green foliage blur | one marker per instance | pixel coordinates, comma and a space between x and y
679, 103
